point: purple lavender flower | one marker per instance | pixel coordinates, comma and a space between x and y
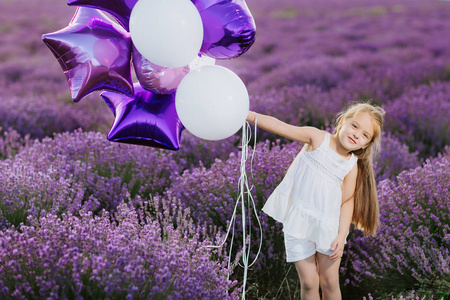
393, 159
412, 246
419, 118
78, 169
92, 257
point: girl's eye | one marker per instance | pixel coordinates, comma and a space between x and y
366, 136
353, 125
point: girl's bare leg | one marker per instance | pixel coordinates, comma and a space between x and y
329, 277
309, 278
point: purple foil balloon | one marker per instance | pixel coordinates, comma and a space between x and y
145, 119
229, 28
94, 54
161, 80
121, 9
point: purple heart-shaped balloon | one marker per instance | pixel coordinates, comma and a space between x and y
229, 27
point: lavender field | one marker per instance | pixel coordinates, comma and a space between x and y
85, 218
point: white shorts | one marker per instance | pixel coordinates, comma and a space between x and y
298, 249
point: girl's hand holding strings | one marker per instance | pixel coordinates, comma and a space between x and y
251, 117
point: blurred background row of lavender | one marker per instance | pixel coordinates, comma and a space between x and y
85, 218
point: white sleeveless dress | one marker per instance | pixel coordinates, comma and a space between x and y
308, 200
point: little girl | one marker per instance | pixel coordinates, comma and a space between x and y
329, 185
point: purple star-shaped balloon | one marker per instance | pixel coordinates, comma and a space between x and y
145, 119
121, 9
94, 53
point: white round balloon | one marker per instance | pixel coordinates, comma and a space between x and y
212, 102
168, 33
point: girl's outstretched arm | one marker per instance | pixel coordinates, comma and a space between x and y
304, 134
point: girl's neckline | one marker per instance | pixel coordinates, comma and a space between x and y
327, 134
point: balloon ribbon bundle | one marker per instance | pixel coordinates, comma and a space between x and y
248, 207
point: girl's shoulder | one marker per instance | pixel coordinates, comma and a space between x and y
317, 138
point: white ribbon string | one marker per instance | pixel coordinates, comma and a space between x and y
248, 207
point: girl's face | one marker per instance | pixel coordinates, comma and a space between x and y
356, 132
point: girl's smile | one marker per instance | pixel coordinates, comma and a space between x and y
356, 132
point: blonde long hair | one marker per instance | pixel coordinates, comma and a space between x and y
366, 210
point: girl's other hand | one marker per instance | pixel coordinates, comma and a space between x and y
338, 247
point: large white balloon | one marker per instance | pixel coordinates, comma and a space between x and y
168, 33
212, 102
